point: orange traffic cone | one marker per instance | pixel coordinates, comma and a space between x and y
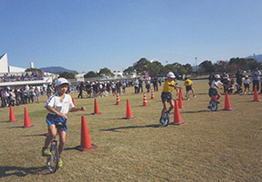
128, 111
11, 114
86, 144
145, 100
180, 102
27, 122
177, 117
117, 99
96, 108
152, 94
227, 106
73, 100
256, 95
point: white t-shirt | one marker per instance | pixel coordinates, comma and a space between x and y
59, 104
216, 83
247, 81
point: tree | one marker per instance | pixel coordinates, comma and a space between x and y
34, 69
105, 72
188, 68
129, 70
207, 66
90, 74
154, 68
67, 75
141, 66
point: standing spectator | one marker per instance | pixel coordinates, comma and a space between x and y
155, 85
113, 86
88, 89
255, 75
148, 85
140, 85
31, 94
211, 78
2, 98
247, 82
81, 87
49, 91
118, 87
37, 93
239, 77
17, 96
123, 87
136, 82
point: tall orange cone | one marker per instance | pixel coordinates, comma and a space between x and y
177, 117
145, 100
27, 122
86, 144
180, 102
227, 106
11, 114
73, 100
96, 109
117, 99
152, 94
255, 98
128, 111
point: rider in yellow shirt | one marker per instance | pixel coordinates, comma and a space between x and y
166, 94
188, 84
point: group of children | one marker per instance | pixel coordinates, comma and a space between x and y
60, 103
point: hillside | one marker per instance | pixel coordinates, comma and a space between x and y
257, 57
56, 69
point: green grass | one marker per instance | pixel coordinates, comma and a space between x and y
211, 146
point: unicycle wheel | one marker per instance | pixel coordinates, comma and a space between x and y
53, 159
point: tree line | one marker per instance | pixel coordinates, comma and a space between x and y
156, 69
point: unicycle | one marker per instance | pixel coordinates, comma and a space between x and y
214, 103
165, 119
53, 159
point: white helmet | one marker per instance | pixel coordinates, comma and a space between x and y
217, 76
171, 75
61, 81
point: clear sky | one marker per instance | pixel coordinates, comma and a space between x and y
87, 35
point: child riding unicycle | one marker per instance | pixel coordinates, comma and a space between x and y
213, 93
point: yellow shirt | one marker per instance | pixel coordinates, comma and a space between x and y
188, 82
167, 88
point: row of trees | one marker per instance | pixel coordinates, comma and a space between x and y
156, 69
230, 66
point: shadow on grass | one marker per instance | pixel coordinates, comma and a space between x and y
131, 127
199, 111
6, 171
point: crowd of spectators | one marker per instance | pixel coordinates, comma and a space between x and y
20, 96
27, 76
106, 88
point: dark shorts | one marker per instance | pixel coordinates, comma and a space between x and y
246, 85
189, 87
212, 92
54, 119
166, 96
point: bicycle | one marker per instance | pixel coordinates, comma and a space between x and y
53, 159
165, 119
214, 103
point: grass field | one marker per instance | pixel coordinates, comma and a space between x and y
211, 146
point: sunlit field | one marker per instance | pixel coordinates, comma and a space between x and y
211, 146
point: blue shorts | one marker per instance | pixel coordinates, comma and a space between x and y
54, 119
166, 96
212, 91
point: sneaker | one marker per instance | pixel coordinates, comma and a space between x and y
209, 107
194, 96
46, 152
60, 163
217, 102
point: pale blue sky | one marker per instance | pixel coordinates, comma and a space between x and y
86, 35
